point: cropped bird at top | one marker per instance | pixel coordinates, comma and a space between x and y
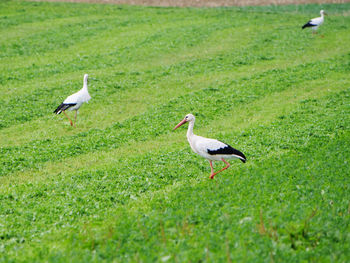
74, 101
315, 22
210, 149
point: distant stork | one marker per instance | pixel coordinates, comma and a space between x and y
210, 149
315, 22
74, 101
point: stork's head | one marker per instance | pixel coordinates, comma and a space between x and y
188, 118
322, 12
86, 78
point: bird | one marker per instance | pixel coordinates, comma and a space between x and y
210, 149
315, 22
74, 101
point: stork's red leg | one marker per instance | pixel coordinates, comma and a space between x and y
71, 123
227, 166
212, 169
75, 117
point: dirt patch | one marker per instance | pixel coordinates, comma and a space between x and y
207, 3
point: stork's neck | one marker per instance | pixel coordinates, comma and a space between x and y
322, 15
85, 86
190, 129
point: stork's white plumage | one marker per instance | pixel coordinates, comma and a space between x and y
315, 22
74, 101
210, 149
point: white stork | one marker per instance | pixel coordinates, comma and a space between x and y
315, 22
74, 101
210, 149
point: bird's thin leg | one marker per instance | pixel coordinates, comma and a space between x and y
212, 169
75, 117
71, 123
227, 166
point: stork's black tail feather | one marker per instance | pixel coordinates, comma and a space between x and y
308, 24
241, 155
63, 107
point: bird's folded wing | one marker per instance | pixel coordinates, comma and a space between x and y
209, 145
74, 98
315, 21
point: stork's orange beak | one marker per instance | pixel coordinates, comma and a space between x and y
180, 123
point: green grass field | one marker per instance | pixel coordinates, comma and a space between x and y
122, 186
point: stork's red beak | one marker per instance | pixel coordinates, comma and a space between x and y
180, 123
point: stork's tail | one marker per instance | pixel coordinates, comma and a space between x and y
240, 155
308, 24
62, 107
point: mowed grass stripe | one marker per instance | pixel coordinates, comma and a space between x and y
12, 15
260, 112
62, 36
32, 30
304, 11
307, 138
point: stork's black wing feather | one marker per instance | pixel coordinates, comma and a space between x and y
63, 107
308, 24
228, 150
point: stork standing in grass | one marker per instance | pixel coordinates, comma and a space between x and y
74, 101
315, 22
210, 149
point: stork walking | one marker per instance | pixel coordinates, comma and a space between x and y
74, 101
315, 22
210, 149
